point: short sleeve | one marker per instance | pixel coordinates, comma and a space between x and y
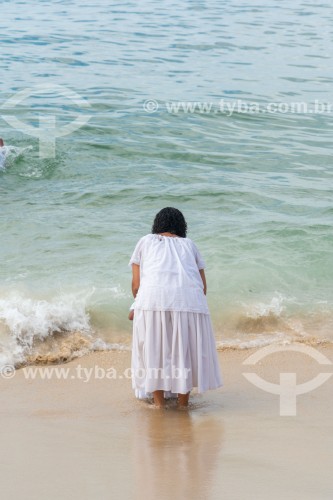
137, 254
198, 257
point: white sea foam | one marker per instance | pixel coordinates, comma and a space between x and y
100, 345
27, 318
279, 338
26, 321
8, 154
262, 309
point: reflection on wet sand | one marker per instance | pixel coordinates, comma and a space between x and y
175, 453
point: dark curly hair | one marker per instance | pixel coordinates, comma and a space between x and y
170, 220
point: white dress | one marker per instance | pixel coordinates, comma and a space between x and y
173, 346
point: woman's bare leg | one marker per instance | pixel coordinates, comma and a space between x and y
183, 399
159, 399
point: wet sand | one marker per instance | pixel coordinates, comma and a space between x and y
73, 439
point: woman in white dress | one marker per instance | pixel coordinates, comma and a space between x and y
173, 347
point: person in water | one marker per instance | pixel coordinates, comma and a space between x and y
3, 153
173, 343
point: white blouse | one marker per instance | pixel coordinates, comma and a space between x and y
169, 274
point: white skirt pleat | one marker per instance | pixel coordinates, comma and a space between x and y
173, 351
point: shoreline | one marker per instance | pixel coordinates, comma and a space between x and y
63, 347
74, 439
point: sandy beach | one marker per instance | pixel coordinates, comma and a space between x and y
77, 438
111, 112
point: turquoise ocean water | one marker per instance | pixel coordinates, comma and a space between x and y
256, 188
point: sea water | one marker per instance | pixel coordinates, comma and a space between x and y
256, 188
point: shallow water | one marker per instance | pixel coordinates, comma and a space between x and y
256, 188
